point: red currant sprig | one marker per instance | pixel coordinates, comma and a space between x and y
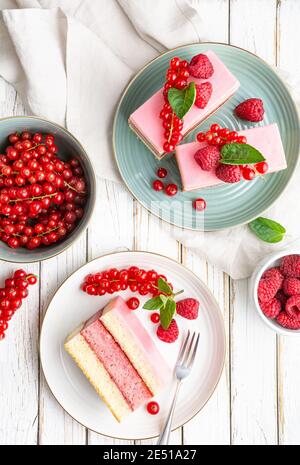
219, 136
12, 295
176, 76
114, 280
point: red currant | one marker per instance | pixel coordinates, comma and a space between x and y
262, 167
171, 190
199, 205
162, 172
248, 173
157, 185
155, 317
153, 408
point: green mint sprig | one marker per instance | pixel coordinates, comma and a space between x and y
164, 303
267, 230
181, 100
240, 154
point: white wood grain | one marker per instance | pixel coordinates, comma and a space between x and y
212, 424
19, 350
253, 346
289, 347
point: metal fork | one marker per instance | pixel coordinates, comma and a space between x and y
183, 368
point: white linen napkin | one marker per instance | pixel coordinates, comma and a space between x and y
70, 60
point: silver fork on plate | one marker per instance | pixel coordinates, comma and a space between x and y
183, 368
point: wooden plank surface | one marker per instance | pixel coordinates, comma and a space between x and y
257, 400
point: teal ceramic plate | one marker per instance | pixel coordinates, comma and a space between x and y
227, 205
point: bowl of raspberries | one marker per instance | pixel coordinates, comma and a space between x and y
276, 291
47, 189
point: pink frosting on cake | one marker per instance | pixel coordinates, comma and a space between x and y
142, 338
146, 118
266, 139
116, 364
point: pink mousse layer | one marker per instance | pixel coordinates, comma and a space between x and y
142, 338
146, 118
266, 139
116, 364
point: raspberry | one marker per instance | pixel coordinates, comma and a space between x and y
291, 286
290, 266
251, 109
282, 298
229, 173
200, 67
208, 157
188, 308
268, 288
168, 335
292, 307
203, 94
274, 273
287, 322
272, 308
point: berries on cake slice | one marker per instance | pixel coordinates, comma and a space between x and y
203, 94
229, 173
201, 67
251, 109
208, 157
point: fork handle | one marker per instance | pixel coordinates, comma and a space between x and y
163, 439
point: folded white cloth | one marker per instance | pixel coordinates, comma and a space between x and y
70, 60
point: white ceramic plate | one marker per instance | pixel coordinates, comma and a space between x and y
70, 306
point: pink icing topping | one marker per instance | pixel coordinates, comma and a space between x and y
116, 364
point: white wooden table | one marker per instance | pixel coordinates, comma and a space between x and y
257, 400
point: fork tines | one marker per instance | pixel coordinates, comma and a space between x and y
188, 350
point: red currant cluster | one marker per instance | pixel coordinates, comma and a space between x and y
41, 196
11, 297
114, 280
157, 185
220, 136
176, 76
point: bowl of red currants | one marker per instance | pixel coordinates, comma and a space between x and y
47, 189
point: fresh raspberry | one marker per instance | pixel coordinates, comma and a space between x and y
188, 308
229, 173
292, 307
208, 157
251, 109
274, 273
168, 335
272, 308
290, 266
203, 94
200, 67
268, 288
287, 322
282, 298
291, 286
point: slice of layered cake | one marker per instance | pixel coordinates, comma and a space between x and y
146, 123
119, 358
266, 139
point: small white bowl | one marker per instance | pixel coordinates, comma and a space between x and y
269, 262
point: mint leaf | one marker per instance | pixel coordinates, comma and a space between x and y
267, 230
182, 100
163, 299
167, 313
240, 154
164, 287
153, 304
